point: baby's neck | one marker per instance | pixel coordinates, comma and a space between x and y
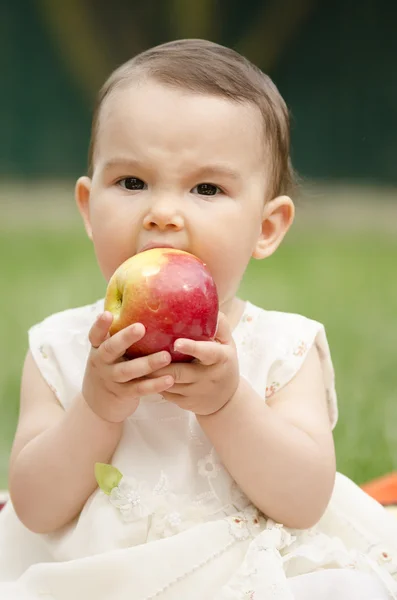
233, 309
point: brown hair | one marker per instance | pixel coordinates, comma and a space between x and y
204, 67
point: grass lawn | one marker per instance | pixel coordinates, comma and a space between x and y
346, 280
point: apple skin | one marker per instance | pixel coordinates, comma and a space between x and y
169, 291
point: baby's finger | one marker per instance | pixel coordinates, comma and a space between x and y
146, 387
179, 391
100, 329
115, 346
185, 373
208, 353
139, 367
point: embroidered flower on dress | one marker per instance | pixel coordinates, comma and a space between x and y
163, 485
301, 349
238, 528
208, 466
175, 514
132, 498
272, 389
246, 318
245, 524
384, 558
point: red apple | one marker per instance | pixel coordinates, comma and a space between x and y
171, 293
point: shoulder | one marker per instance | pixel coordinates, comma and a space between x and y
274, 345
70, 320
59, 346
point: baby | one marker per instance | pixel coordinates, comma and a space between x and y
217, 478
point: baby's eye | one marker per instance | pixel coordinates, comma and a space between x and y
132, 183
206, 189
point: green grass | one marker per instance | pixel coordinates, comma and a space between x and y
345, 280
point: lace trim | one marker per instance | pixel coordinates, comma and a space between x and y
263, 556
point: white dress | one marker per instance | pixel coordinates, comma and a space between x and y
177, 526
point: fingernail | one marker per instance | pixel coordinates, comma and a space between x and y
178, 345
164, 357
168, 381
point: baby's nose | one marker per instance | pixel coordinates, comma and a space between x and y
164, 215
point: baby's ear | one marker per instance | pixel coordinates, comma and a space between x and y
278, 215
82, 195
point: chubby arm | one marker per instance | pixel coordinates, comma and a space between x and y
53, 455
281, 453
54, 452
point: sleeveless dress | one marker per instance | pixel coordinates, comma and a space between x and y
174, 525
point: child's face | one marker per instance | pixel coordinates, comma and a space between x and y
158, 150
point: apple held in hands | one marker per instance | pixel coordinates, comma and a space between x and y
169, 291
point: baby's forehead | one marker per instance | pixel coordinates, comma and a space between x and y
165, 115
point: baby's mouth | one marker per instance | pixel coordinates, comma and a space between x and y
152, 245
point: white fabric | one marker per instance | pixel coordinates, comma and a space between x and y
178, 526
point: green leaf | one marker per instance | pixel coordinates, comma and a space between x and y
107, 476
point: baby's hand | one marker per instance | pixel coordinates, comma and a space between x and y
112, 385
207, 384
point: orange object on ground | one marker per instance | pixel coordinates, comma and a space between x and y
383, 489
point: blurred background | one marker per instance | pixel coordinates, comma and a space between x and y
334, 63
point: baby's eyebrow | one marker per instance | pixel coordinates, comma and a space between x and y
214, 170
121, 161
